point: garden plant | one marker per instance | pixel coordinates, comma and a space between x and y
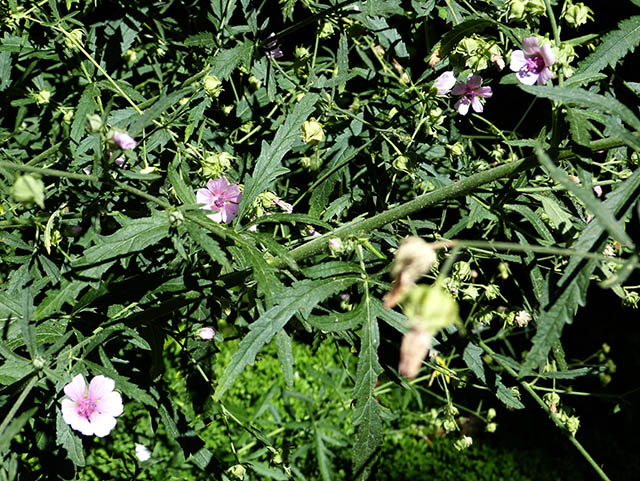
318, 239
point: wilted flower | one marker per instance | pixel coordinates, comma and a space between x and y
124, 140
445, 82
471, 92
94, 410
273, 51
413, 350
142, 452
207, 333
597, 190
532, 63
212, 85
221, 197
285, 206
522, 318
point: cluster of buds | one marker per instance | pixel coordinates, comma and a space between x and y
216, 164
524, 10
572, 423
478, 52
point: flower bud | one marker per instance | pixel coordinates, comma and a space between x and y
216, 164
401, 163
176, 218
312, 132
74, 39
491, 427
131, 55
449, 425
577, 14
491, 414
237, 471
95, 122
491, 292
42, 97
573, 423
462, 270
28, 189
212, 86
463, 443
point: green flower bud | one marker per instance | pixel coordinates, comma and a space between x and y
606, 348
536, 8
503, 269
131, 55
42, 97
573, 423
578, 14
491, 292
39, 363
74, 39
301, 53
516, 9
515, 391
237, 471
311, 163
450, 425
491, 414
470, 293
327, 30
28, 189
401, 163
312, 133
551, 399
463, 443
216, 164
491, 427
457, 149
176, 218
632, 299
212, 85
462, 270
95, 122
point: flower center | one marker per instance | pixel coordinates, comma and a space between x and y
86, 408
219, 203
534, 64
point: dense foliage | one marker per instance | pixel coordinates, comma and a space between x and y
202, 201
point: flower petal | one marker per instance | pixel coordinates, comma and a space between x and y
233, 193
530, 45
477, 105
102, 424
484, 92
518, 60
124, 140
474, 81
111, 404
76, 389
459, 89
544, 76
547, 54
462, 105
217, 186
527, 78
229, 212
204, 196
445, 82
216, 216
100, 386
72, 418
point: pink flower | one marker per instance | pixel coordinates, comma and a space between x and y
598, 190
207, 333
124, 140
91, 411
221, 197
445, 82
532, 63
470, 92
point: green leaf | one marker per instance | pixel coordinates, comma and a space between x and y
534, 219
568, 374
209, 244
367, 414
70, 442
506, 396
338, 321
301, 297
285, 356
603, 216
164, 103
559, 304
86, 106
342, 61
472, 356
615, 45
5, 69
226, 61
585, 99
268, 166
12, 430
579, 126
324, 466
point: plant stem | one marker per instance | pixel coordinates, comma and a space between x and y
552, 415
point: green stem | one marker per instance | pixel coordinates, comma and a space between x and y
14, 409
552, 415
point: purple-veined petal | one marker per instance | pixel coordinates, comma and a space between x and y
518, 60
530, 45
217, 186
547, 55
477, 105
204, 196
484, 92
76, 389
544, 76
527, 78
459, 89
474, 81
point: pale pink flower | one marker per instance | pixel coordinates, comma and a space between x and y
142, 452
120, 161
288, 208
597, 190
207, 333
124, 140
94, 410
445, 82
532, 63
222, 198
471, 91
